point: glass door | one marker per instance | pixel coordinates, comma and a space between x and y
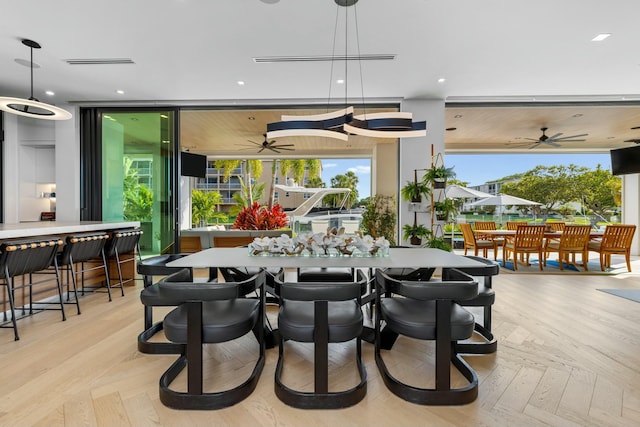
137, 161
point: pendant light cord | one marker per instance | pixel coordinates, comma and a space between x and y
333, 55
31, 64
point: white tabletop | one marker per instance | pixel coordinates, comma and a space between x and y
44, 228
398, 258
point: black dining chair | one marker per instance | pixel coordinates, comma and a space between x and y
321, 313
426, 310
208, 313
486, 298
24, 258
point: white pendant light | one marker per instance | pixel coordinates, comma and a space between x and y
31, 107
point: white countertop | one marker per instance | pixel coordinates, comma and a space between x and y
398, 258
42, 228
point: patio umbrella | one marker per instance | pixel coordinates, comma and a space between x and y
502, 200
455, 191
458, 192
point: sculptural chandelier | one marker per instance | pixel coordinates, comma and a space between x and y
31, 107
341, 123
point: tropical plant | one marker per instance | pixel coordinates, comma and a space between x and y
254, 170
204, 207
244, 197
348, 180
445, 209
438, 174
256, 217
379, 217
137, 198
437, 242
414, 190
415, 233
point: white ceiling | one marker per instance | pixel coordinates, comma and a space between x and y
195, 51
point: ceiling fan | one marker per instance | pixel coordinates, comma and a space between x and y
554, 140
270, 145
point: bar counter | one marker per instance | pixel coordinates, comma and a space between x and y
49, 228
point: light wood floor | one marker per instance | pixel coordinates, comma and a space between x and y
568, 355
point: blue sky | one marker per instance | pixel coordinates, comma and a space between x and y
476, 169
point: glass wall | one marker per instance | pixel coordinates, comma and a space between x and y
137, 156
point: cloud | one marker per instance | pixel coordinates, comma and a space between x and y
329, 165
360, 170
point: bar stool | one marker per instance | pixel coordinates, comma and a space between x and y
23, 257
81, 249
123, 242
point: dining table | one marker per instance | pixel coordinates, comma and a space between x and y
396, 258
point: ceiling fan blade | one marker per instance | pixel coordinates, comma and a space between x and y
635, 140
532, 146
569, 140
532, 139
553, 144
256, 143
557, 135
570, 137
285, 145
286, 149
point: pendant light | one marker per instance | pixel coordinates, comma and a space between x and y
32, 107
339, 124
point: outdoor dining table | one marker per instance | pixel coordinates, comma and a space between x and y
594, 234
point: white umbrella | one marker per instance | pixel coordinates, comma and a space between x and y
455, 191
458, 192
502, 200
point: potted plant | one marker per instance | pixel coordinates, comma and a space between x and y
445, 209
413, 190
415, 233
438, 175
437, 243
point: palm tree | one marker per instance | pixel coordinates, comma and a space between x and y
348, 180
254, 169
297, 168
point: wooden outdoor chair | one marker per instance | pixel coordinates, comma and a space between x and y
488, 225
574, 240
527, 240
471, 242
616, 240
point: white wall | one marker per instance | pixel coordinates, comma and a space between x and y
631, 207
34, 150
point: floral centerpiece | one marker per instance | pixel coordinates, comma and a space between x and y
332, 243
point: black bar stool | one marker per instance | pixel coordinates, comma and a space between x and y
81, 249
24, 257
123, 242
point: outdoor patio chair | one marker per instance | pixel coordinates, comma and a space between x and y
574, 240
527, 240
616, 240
471, 242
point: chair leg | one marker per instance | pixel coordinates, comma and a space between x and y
12, 305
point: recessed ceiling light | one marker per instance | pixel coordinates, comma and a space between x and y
120, 92
577, 115
240, 83
340, 81
441, 80
251, 118
600, 37
457, 116
50, 92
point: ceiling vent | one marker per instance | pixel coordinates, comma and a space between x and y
370, 57
99, 61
